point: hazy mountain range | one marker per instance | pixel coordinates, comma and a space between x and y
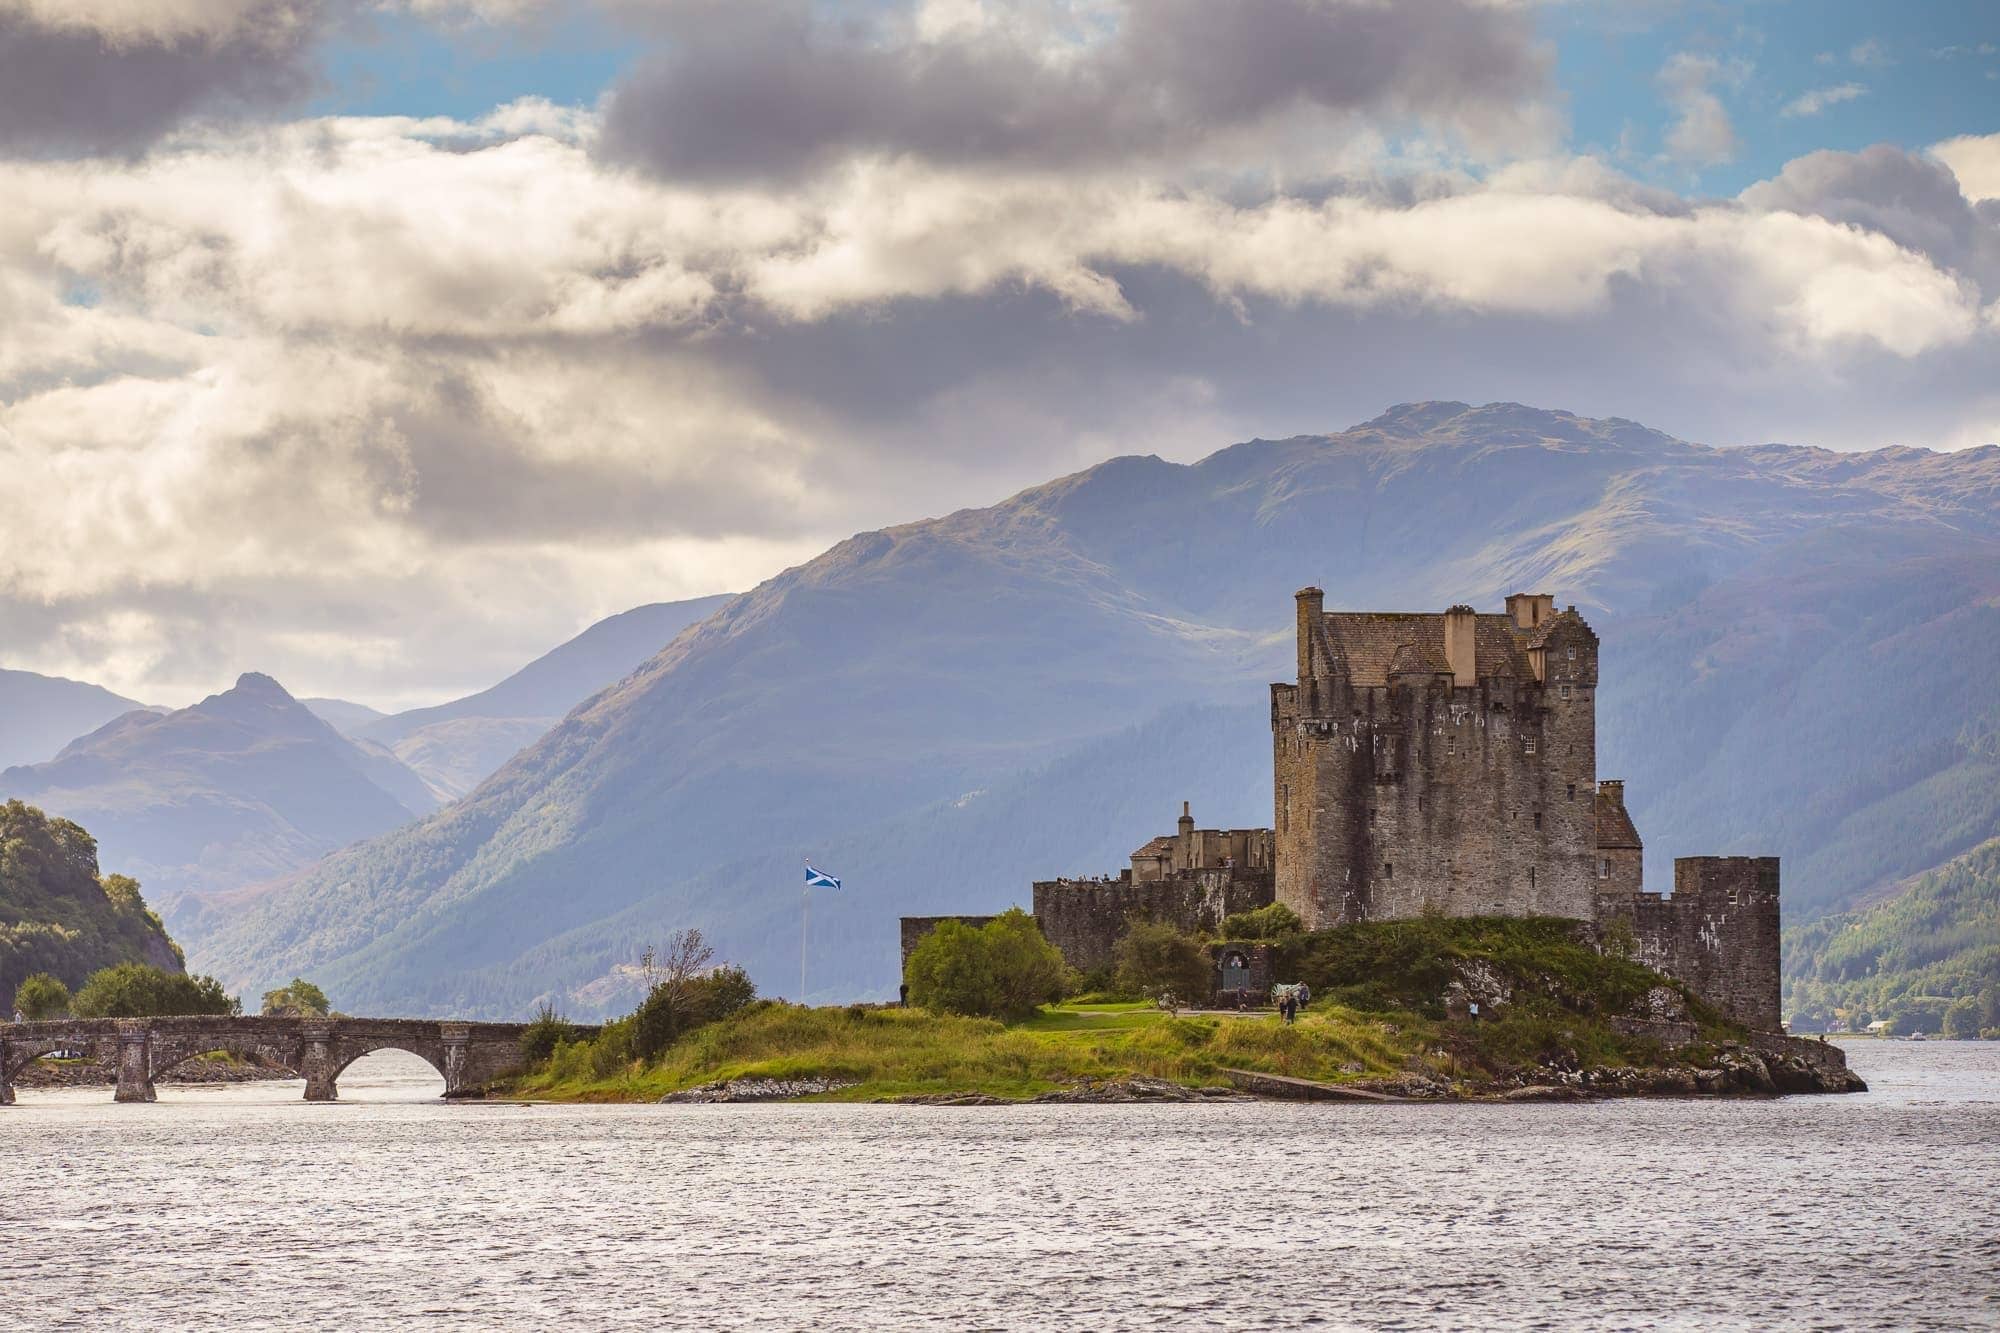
1797, 650
41, 714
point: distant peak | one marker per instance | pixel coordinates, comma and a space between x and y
1416, 418
256, 682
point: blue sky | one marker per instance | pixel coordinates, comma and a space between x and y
1926, 71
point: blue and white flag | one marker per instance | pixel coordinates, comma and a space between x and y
819, 879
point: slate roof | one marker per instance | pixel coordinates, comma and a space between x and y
1614, 825
1371, 641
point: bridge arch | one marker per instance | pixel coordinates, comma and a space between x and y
18, 1054
171, 1054
350, 1049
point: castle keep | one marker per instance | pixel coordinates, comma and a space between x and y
1441, 762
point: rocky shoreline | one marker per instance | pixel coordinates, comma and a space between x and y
1733, 1070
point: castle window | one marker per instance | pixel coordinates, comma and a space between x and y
1531, 877
1565, 691
1528, 745
1604, 867
1572, 791
1538, 819
1388, 870
1572, 652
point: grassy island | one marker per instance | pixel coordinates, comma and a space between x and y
1390, 1013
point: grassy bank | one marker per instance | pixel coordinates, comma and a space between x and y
1385, 1015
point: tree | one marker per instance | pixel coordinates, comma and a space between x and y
1004, 969
1271, 922
41, 997
301, 999
134, 990
1961, 1019
1154, 958
687, 994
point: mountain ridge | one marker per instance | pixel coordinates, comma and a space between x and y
909, 664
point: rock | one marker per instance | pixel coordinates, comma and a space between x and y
1662, 1004
756, 1090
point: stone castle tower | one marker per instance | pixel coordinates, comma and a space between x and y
1437, 762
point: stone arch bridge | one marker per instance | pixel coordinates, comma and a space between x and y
469, 1055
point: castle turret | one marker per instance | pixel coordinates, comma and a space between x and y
1311, 606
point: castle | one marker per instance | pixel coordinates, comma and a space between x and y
1440, 763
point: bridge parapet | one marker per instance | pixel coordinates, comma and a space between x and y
469, 1056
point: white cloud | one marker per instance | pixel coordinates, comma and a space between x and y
1975, 160
362, 381
1870, 54
1702, 133
1815, 100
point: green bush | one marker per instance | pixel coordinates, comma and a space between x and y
42, 997
674, 1008
545, 1031
1004, 969
134, 990
1154, 958
301, 999
1273, 922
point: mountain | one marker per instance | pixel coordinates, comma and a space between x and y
1907, 961
455, 746
41, 714
242, 787
1792, 663
58, 915
343, 716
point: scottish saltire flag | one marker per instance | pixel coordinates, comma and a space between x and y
819, 879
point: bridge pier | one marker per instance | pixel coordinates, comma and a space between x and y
318, 1064
135, 1062
456, 1037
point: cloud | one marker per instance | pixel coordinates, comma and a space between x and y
1702, 134
1975, 160
367, 401
780, 91
1869, 54
1815, 100
111, 76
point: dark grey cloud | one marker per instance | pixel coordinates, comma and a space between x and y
1913, 200
78, 84
773, 91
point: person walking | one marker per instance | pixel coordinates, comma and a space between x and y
1289, 1006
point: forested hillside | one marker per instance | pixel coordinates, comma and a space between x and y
1927, 960
59, 915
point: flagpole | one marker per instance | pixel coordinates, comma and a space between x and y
805, 910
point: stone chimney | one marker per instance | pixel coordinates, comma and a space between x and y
1312, 605
1531, 609
1187, 820
1461, 645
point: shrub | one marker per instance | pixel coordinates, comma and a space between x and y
671, 1010
1961, 1019
301, 999
1004, 969
134, 990
545, 1031
40, 997
1153, 957
1273, 922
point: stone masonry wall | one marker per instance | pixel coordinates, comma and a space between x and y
1391, 800
1718, 932
1084, 918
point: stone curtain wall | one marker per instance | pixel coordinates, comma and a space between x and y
1718, 933
1085, 918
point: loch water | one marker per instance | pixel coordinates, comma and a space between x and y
245, 1207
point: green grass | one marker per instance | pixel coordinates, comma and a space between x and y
895, 1052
